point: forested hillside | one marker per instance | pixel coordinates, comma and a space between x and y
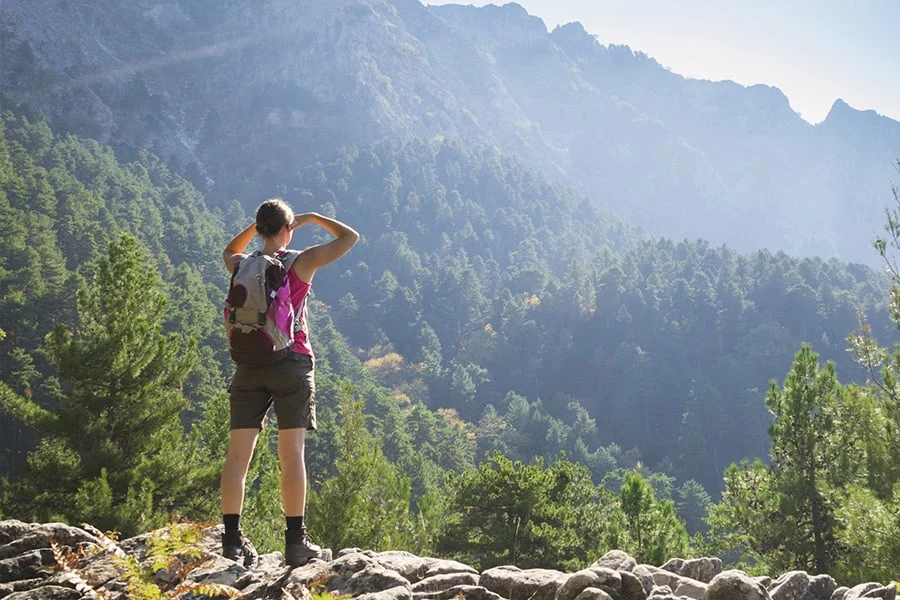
491, 332
239, 99
531, 312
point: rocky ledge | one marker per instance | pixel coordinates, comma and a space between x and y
54, 560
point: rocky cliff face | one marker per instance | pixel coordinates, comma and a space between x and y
54, 560
238, 96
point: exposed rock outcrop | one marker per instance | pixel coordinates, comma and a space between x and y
54, 560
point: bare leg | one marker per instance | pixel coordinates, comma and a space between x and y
291, 455
234, 473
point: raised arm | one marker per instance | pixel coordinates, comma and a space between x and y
234, 251
318, 256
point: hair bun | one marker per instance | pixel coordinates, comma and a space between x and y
271, 216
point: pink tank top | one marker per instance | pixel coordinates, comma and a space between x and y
299, 293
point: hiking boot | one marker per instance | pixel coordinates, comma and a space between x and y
298, 548
238, 548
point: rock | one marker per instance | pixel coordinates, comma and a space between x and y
375, 579
592, 593
340, 571
596, 577
102, 567
820, 587
18, 586
667, 578
691, 588
645, 574
463, 592
412, 567
617, 560
439, 566
28, 570
839, 593
400, 592
46, 592
309, 573
860, 590
673, 565
702, 569
272, 561
27, 565
222, 571
436, 583
886, 592
513, 582
17, 537
632, 587
735, 585
789, 586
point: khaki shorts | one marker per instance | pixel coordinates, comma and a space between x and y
289, 385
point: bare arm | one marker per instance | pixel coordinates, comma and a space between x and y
234, 251
318, 256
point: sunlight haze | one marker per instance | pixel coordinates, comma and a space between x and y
813, 51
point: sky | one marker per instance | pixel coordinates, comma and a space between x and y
814, 51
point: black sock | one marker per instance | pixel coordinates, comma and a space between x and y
294, 523
232, 522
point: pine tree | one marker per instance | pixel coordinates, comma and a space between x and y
784, 513
802, 430
507, 512
367, 504
654, 531
113, 449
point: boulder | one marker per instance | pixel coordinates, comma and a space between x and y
27, 565
375, 579
596, 577
840, 593
858, 591
28, 570
400, 592
632, 587
644, 573
691, 588
668, 578
885, 592
512, 582
673, 565
593, 593
409, 565
820, 587
790, 586
436, 583
47, 592
439, 566
459, 592
702, 569
735, 585
617, 560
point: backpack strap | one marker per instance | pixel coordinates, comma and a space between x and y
288, 257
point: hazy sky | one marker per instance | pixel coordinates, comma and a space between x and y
815, 51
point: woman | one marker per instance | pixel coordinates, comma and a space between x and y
289, 385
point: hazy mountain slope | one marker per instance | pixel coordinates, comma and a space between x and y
693, 158
238, 96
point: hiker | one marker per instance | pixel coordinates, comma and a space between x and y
268, 374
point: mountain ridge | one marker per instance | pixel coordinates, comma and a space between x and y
240, 98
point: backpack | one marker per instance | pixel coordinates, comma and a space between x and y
259, 316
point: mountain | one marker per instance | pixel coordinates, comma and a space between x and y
239, 99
